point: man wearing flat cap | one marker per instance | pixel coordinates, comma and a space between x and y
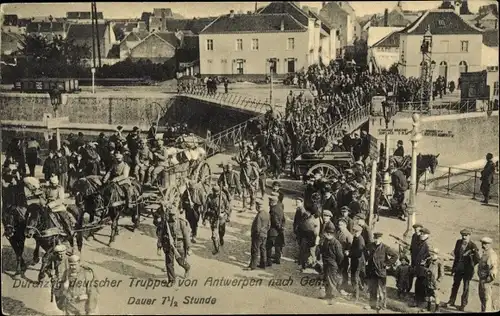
379, 257
329, 201
466, 256
344, 193
259, 233
487, 272
275, 236
357, 256
420, 253
332, 256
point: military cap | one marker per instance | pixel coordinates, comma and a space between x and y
465, 232
73, 259
216, 188
377, 235
417, 225
259, 202
135, 129
273, 198
486, 240
329, 228
349, 171
425, 231
357, 228
328, 188
299, 199
276, 184
60, 248
327, 213
345, 208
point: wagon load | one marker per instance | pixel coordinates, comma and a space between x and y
88, 186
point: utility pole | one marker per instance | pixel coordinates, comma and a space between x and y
93, 34
95, 18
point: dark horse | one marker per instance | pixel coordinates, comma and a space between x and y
114, 201
424, 163
40, 226
14, 222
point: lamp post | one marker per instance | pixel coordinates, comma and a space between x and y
388, 113
55, 100
426, 50
416, 136
93, 79
271, 69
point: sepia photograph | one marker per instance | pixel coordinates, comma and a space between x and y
286, 157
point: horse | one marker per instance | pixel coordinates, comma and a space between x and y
115, 203
424, 163
14, 222
41, 227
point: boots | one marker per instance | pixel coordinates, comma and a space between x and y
216, 247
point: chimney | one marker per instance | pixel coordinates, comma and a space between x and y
386, 17
231, 14
255, 6
464, 8
323, 4
282, 26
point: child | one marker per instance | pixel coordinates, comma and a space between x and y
434, 273
403, 277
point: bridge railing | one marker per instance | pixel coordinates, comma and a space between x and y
220, 142
236, 100
442, 107
349, 122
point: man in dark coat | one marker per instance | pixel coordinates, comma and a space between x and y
415, 239
32, 155
420, 253
260, 228
379, 256
277, 189
400, 151
329, 202
332, 255
487, 177
262, 164
400, 186
357, 256
50, 166
347, 140
466, 257
365, 145
275, 233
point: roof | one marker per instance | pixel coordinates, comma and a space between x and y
291, 8
254, 23
11, 36
325, 25
490, 38
129, 27
45, 27
488, 16
441, 22
391, 40
169, 37
114, 52
190, 42
376, 34
489, 56
84, 31
193, 25
83, 15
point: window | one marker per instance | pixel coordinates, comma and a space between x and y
291, 65
223, 61
210, 44
463, 67
209, 61
495, 88
290, 43
239, 67
239, 44
464, 46
255, 44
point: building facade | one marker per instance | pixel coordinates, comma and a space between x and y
257, 44
456, 45
342, 17
157, 47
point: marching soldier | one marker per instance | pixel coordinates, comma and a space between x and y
262, 164
277, 189
259, 233
77, 292
275, 236
173, 237
192, 204
229, 182
217, 210
249, 178
54, 264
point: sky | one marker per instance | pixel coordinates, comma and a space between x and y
113, 10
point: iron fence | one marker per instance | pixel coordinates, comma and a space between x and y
234, 100
350, 122
460, 181
439, 107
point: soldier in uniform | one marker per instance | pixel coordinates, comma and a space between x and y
229, 182
142, 162
259, 233
249, 178
217, 209
277, 189
160, 162
133, 145
192, 204
117, 138
173, 237
487, 272
54, 194
275, 236
54, 262
262, 164
77, 292
119, 174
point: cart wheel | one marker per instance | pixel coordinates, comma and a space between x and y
202, 174
328, 171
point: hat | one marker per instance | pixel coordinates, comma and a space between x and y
486, 240
259, 202
273, 198
119, 128
417, 225
357, 228
135, 129
377, 235
73, 259
329, 228
65, 142
400, 142
327, 213
328, 188
216, 188
425, 231
112, 145
300, 199
465, 232
276, 184
345, 208
349, 171
54, 179
119, 156
60, 248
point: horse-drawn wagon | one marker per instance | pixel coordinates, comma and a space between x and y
330, 164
